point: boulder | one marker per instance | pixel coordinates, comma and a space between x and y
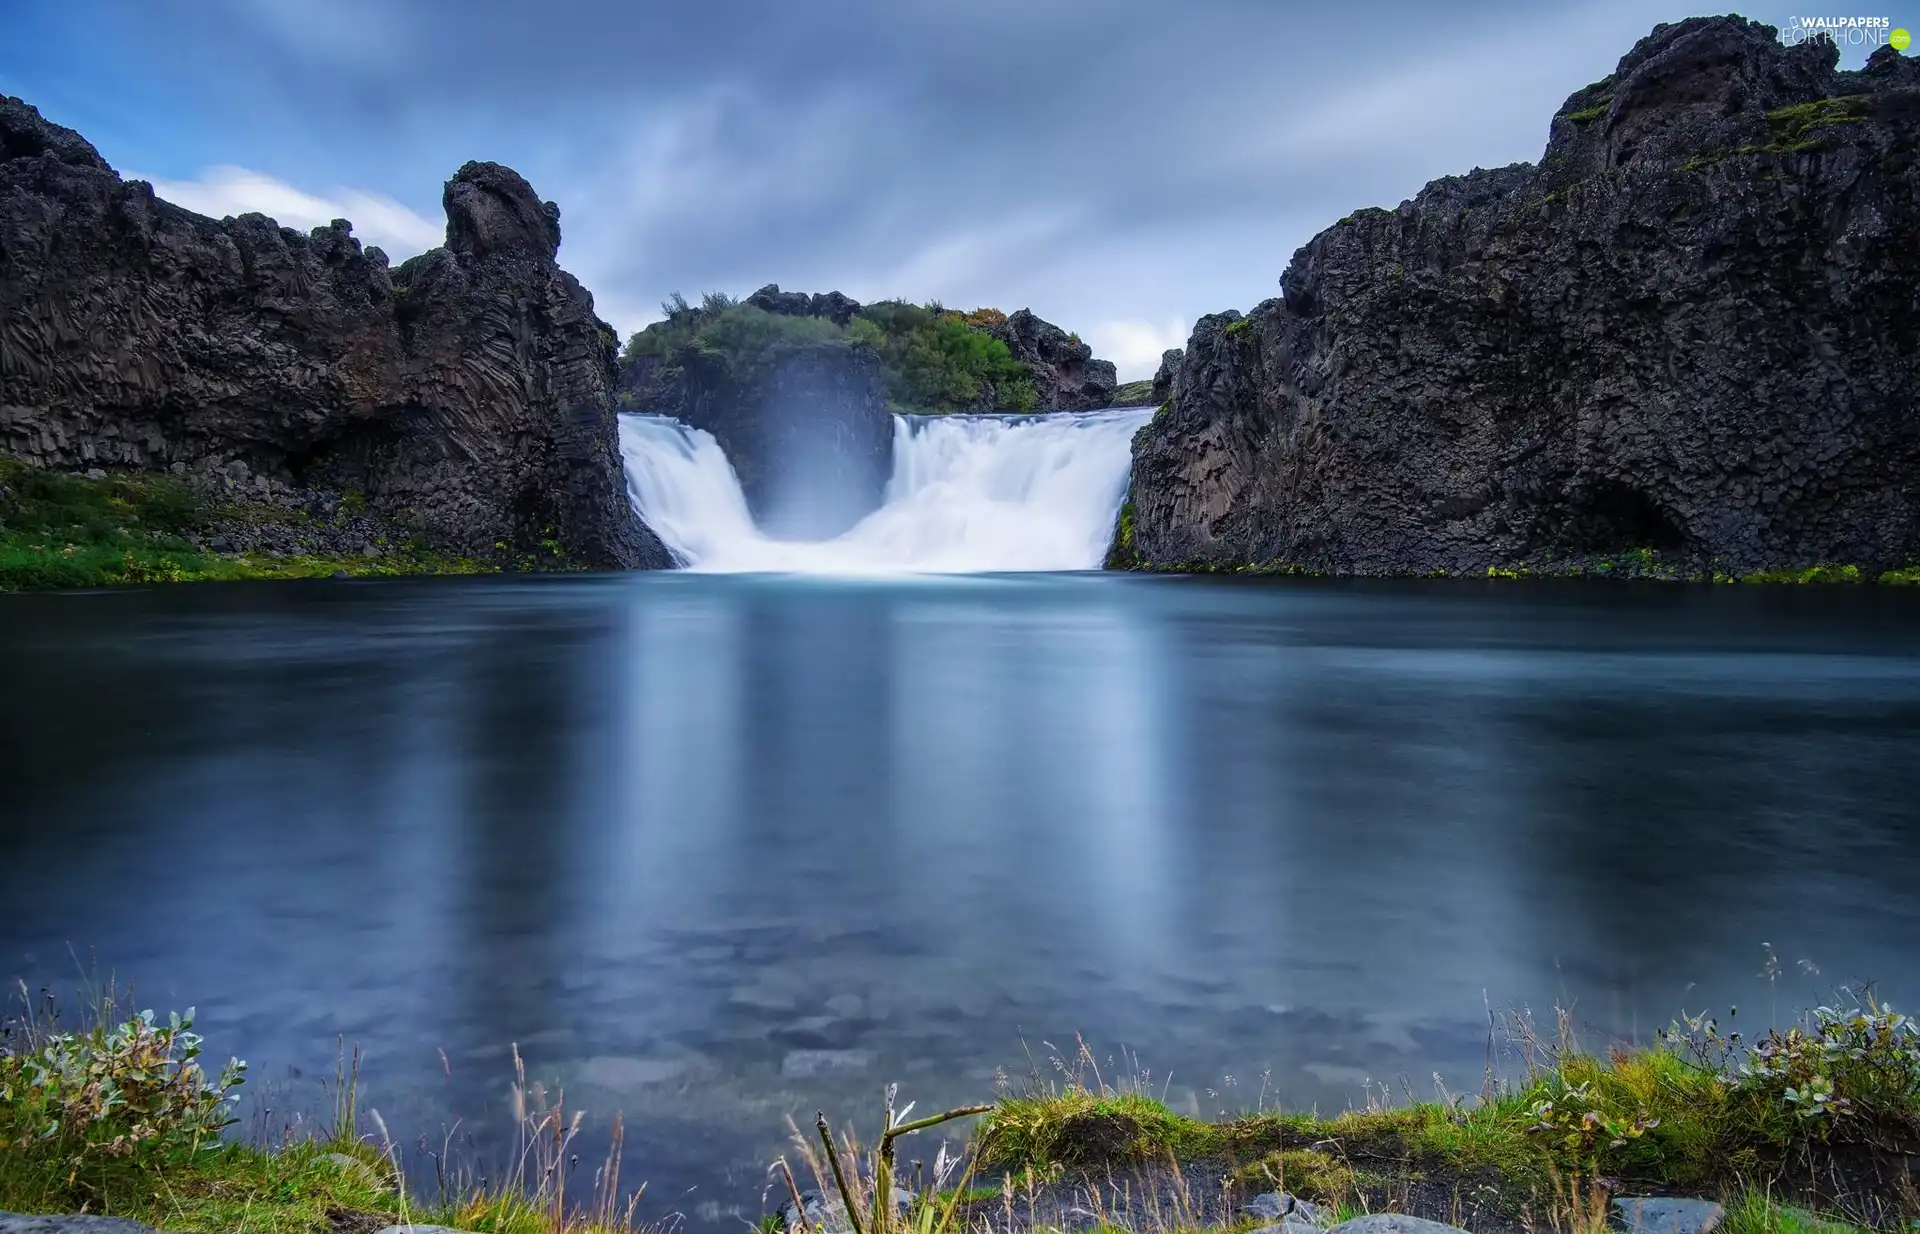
1394, 1223
24, 1223
1667, 1215
833, 306
1275, 1205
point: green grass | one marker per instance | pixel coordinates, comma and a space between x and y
1310, 1173
1792, 126
1823, 573
237, 1188
62, 531
1588, 115
1673, 1118
293, 1189
1133, 393
1754, 1211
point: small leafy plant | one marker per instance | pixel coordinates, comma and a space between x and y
132, 1092
1578, 1124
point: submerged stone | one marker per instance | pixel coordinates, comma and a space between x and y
1394, 1223
805, 1064
1667, 1214
24, 1223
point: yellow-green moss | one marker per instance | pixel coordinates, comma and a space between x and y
1311, 1174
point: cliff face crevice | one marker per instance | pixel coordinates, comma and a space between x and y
1693, 327
469, 392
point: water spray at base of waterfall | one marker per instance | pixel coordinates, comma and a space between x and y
968, 494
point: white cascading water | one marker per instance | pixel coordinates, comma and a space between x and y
968, 494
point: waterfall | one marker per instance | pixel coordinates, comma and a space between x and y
967, 494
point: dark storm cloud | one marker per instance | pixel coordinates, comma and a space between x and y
1121, 167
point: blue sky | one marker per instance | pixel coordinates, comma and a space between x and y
1118, 167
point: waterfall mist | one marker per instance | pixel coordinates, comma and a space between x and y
968, 494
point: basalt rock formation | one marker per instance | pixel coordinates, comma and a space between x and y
834, 306
1066, 377
1164, 375
469, 393
1693, 328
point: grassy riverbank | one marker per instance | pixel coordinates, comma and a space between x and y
1820, 1117
63, 531
1823, 1117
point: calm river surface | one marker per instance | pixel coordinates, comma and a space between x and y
716, 849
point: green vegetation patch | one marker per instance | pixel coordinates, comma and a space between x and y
62, 531
119, 1117
939, 360
1587, 115
1133, 394
935, 359
1754, 1211
1310, 1173
1829, 1106
1792, 126
1825, 572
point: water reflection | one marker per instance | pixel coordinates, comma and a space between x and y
711, 850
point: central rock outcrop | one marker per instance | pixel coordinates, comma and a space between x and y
1066, 377
1693, 329
468, 393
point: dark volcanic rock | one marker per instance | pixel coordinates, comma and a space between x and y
1066, 377
806, 428
1164, 375
1694, 328
469, 392
835, 307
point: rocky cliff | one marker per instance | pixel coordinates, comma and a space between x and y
1066, 377
470, 392
1693, 328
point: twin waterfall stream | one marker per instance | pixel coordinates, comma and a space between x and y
968, 494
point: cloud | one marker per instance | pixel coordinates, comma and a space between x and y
1135, 346
221, 191
1109, 166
